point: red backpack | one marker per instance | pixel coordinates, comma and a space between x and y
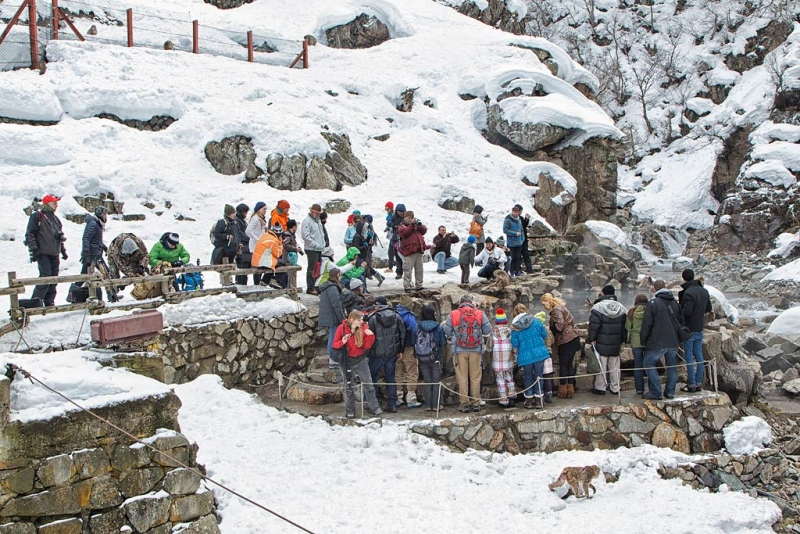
467, 325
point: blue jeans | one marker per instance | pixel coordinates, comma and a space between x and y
651, 358
487, 271
530, 374
638, 368
693, 351
331, 335
443, 263
388, 365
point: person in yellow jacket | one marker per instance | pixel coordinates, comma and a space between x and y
267, 254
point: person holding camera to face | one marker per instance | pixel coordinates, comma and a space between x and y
412, 244
45, 240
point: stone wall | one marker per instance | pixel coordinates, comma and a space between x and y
75, 474
6, 120
690, 426
243, 352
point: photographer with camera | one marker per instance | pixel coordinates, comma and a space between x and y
492, 258
412, 244
441, 254
45, 240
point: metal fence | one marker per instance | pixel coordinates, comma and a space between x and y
111, 22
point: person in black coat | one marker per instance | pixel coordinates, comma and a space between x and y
390, 336
695, 304
331, 310
244, 254
659, 335
607, 333
44, 238
93, 247
226, 238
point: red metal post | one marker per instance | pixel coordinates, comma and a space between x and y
33, 19
250, 46
195, 37
55, 20
305, 53
13, 21
130, 28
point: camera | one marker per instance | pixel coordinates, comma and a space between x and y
417, 222
60, 236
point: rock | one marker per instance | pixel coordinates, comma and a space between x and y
336, 205
191, 507
455, 199
665, 435
57, 501
365, 31
205, 525
232, 155
181, 482
753, 344
346, 167
495, 13
730, 479
19, 481
111, 521
287, 173
107, 200
148, 511
320, 176
522, 135
227, 4
63, 526
140, 481
789, 375
792, 387
556, 205
757, 47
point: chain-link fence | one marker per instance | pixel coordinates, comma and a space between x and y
111, 22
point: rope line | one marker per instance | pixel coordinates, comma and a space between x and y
34, 380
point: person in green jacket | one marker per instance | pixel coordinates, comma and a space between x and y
633, 324
169, 249
357, 271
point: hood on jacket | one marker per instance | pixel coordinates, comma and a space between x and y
542, 316
665, 294
610, 308
352, 252
326, 285
428, 326
523, 321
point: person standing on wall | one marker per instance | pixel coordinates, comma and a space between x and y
44, 238
412, 244
512, 227
695, 303
313, 236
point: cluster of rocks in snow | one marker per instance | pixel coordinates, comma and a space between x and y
744, 273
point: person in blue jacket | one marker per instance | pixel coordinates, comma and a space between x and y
512, 227
528, 338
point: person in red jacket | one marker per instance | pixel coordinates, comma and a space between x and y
412, 244
356, 338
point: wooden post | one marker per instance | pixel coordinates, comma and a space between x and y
130, 28
12, 275
305, 53
13, 21
250, 46
195, 37
33, 19
55, 20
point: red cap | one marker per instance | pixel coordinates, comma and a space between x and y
389, 205
350, 219
50, 198
283, 205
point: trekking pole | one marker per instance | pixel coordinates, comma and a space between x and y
439, 400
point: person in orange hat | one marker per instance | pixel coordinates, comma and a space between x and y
280, 215
44, 238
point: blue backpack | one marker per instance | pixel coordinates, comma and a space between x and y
411, 325
190, 281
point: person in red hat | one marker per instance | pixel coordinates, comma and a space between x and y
45, 240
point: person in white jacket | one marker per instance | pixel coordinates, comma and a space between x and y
492, 258
255, 229
313, 235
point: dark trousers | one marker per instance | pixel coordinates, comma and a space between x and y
388, 365
313, 257
566, 357
431, 374
478, 248
488, 271
48, 266
464, 273
526, 257
394, 258
85, 270
516, 254
241, 279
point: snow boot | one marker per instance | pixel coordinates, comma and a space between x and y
380, 277
570, 390
562, 391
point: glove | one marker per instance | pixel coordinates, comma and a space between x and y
177, 263
87, 260
33, 253
64, 255
105, 248
301, 252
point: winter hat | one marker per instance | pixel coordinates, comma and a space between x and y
173, 238
100, 212
228, 210
350, 219
409, 213
323, 216
368, 218
316, 207
477, 209
283, 205
500, 316
129, 246
260, 205
501, 241
687, 275
389, 205
471, 239
488, 240
327, 252
517, 207
400, 207
242, 208
277, 228
355, 283
50, 198
542, 316
608, 290
291, 223
382, 301
356, 212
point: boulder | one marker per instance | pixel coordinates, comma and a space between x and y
365, 31
556, 205
757, 47
495, 13
336, 205
792, 387
227, 4
320, 176
287, 173
455, 199
522, 135
90, 202
233, 155
345, 166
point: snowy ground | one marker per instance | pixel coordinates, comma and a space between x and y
384, 479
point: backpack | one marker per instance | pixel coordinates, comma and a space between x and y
211, 235
475, 229
78, 293
190, 281
425, 348
467, 324
411, 325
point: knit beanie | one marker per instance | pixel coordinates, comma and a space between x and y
283, 205
355, 283
242, 208
400, 207
477, 209
327, 252
356, 212
608, 290
228, 210
368, 218
259, 205
687, 274
173, 238
488, 240
350, 219
471, 239
389, 205
500, 316
501, 241
291, 223
542, 316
